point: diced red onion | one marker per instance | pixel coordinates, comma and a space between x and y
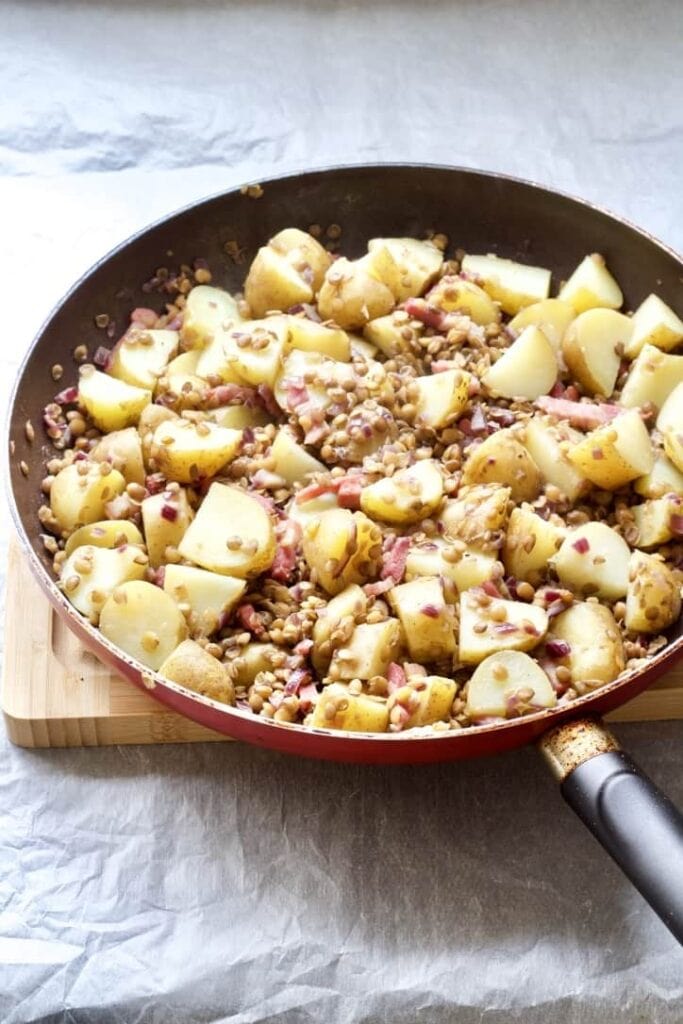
102, 357
581, 545
558, 648
169, 512
490, 588
430, 610
67, 396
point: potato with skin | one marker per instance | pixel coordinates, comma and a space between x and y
653, 520
259, 346
455, 294
594, 559
596, 650
465, 569
407, 497
654, 323
239, 417
406, 266
210, 596
547, 444
310, 336
338, 708
335, 624
165, 518
292, 462
231, 534
110, 403
306, 378
513, 285
552, 316
501, 458
615, 454
152, 416
427, 699
505, 681
122, 449
497, 626
77, 498
591, 285
593, 347
274, 284
662, 479
144, 622
371, 649
304, 253
342, 547
478, 514
90, 574
427, 620
306, 511
187, 452
107, 533
351, 296
255, 658
190, 666
207, 311
653, 600
141, 356
527, 369
652, 378
219, 357
393, 333
180, 378
530, 543
441, 397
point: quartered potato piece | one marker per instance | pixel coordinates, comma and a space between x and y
144, 622
110, 403
231, 534
310, 336
501, 458
259, 346
653, 600
552, 316
615, 454
219, 358
593, 347
141, 356
407, 497
405, 265
238, 417
255, 658
458, 295
465, 569
305, 511
342, 547
335, 624
180, 378
591, 285
188, 452
304, 253
165, 518
122, 449
653, 520
274, 284
189, 665
79, 497
351, 294
90, 574
652, 378
292, 462
306, 378
513, 285
498, 625
207, 312
525, 370
548, 445
393, 333
369, 652
107, 533
338, 708
425, 700
596, 650
441, 397
209, 595
662, 479
594, 559
654, 323
530, 543
428, 623
477, 515
506, 683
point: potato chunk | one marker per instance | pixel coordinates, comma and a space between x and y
335, 624
219, 358
307, 378
477, 515
591, 285
502, 459
238, 417
654, 323
110, 403
506, 684
593, 346
187, 451
406, 266
144, 622
255, 658
547, 444
525, 370
259, 346
310, 336
304, 253
594, 559
189, 665
653, 520
552, 316
392, 334
653, 600
652, 378
77, 499
670, 416
337, 708
615, 454
165, 518
530, 543
427, 620
351, 295
513, 285
458, 295
497, 626
342, 547
406, 497
208, 311
292, 462
662, 479
107, 533
441, 397
232, 534
122, 449
274, 284
209, 595
369, 652
425, 700
90, 574
596, 650
141, 356
465, 569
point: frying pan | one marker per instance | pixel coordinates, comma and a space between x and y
481, 212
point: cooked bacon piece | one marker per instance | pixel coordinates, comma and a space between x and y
249, 619
584, 415
225, 394
430, 316
394, 560
142, 317
288, 535
396, 677
349, 490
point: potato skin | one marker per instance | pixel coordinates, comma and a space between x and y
653, 600
342, 547
190, 666
502, 459
351, 296
596, 648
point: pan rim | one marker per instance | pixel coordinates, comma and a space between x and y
546, 718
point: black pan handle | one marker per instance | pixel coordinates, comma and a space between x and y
635, 822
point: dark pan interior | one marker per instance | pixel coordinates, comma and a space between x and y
480, 212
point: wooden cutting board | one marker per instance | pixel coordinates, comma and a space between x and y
57, 694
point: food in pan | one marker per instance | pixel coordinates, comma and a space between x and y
391, 493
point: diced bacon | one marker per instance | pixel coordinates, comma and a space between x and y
266, 400
394, 560
266, 480
297, 678
143, 317
264, 500
226, 394
308, 695
396, 677
443, 365
155, 483
243, 705
349, 491
296, 393
584, 415
317, 434
490, 588
248, 618
478, 423
304, 647
430, 316
413, 669
288, 534
276, 698
378, 588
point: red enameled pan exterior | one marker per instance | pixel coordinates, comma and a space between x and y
480, 212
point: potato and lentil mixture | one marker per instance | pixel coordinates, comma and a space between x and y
396, 492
